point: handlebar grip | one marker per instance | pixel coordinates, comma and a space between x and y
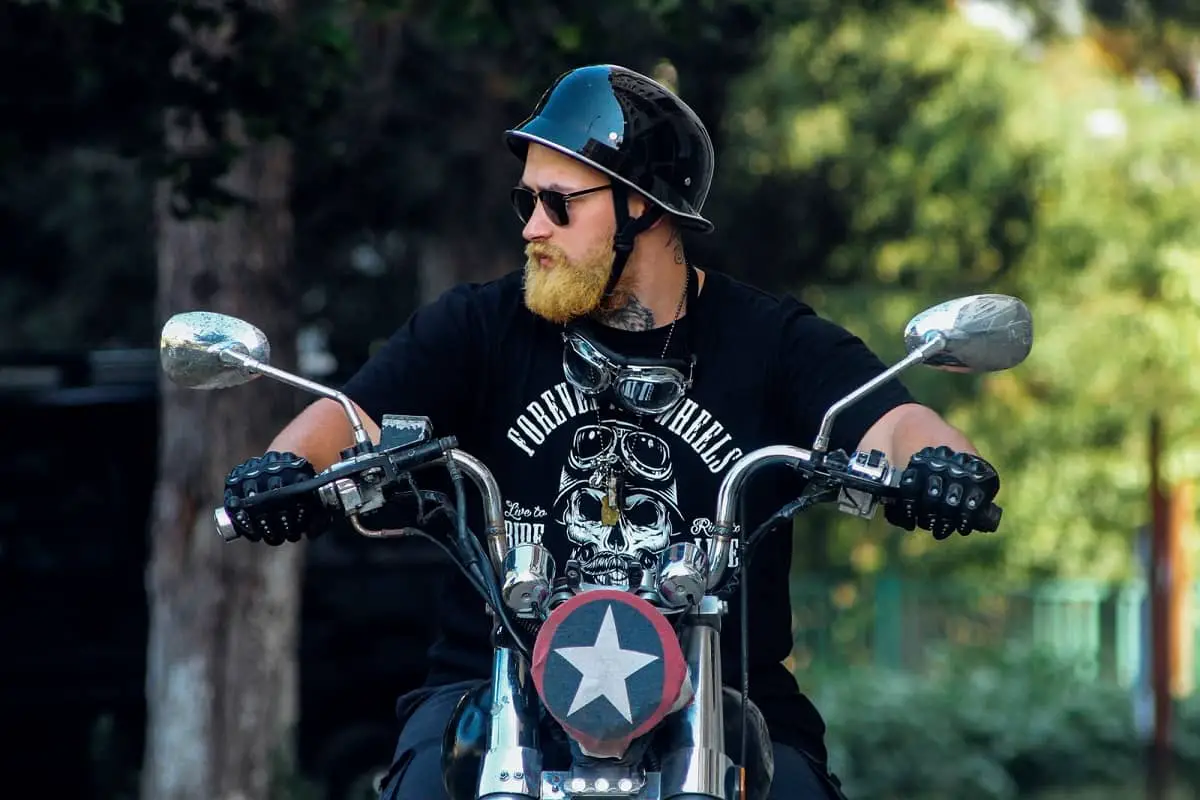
401, 459
224, 524
990, 518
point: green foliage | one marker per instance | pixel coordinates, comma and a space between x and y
992, 726
890, 127
952, 162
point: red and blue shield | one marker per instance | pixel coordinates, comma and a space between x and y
608, 668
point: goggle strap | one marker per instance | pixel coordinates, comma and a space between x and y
616, 361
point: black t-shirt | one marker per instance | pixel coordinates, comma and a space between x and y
488, 371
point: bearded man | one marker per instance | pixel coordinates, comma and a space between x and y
609, 384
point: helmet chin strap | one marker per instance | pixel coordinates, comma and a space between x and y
627, 230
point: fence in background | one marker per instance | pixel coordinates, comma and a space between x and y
896, 623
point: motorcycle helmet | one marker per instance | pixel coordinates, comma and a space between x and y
636, 131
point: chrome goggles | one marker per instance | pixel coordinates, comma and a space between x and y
645, 386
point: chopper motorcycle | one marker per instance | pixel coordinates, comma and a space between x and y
540, 730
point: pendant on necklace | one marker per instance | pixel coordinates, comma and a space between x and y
609, 510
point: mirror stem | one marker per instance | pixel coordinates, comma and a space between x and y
934, 344
232, 355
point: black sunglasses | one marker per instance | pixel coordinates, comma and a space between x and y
525, 200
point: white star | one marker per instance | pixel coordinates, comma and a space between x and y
604, 667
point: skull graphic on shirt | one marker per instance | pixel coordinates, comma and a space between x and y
615, 459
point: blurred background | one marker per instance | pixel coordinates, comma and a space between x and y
874, 158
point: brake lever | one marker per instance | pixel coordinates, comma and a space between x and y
862, 480
317, 482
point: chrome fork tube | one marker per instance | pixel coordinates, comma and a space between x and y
697, 767
512, 765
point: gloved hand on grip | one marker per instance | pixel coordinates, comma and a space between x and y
287, 519
943, 491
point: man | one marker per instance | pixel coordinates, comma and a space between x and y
605, 465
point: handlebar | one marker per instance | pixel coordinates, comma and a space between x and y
730, 492
339, 485
862, 480
493, 504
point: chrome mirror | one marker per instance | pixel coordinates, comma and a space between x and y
206, 350
980, 333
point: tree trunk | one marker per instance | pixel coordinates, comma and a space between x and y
221, 667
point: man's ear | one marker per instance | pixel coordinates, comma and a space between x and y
637, 204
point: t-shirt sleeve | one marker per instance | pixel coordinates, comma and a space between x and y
822, 363
428, 366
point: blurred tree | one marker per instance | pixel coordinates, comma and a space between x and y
83, 84
1151, 40
221, 669
954, 162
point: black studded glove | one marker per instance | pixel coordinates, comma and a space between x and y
288, 519
943, 491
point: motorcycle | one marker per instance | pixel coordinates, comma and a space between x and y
528, 732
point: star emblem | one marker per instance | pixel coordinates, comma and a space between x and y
608, 668
604, 667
